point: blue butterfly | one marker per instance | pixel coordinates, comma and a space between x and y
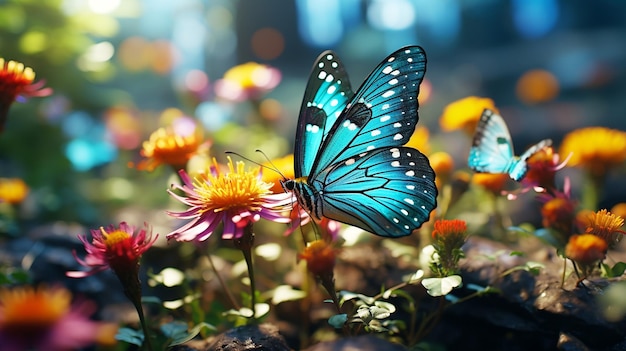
350, 164
492, 148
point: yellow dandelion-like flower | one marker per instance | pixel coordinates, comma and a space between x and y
168, 146
465, 113
606, 225
595, 148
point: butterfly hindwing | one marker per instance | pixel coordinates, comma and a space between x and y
492, 148
382, 113
327, 94
388, 191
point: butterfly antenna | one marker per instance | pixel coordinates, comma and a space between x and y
273, 168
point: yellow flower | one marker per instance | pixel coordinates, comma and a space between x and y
419, 140
595, 148
465, 113
619, 209
167, 146
443, 165
586, 249
606, 225
12, 190
247, 81
285, 166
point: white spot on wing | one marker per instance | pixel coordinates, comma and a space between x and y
388, 93
395, 164
322, 75
409, 173
409, 201
385, 118
350, 161
331, 89
329, 78
375, 132
397, 136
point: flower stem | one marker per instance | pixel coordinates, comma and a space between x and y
244, 243
132, 290
229, 294
592, 187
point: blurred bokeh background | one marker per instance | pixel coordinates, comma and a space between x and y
122, 69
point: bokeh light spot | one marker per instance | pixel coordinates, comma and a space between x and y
391, 14
103, 6
537, 86
32, 42
267, 43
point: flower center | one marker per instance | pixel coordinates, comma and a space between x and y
236, 189
115, 237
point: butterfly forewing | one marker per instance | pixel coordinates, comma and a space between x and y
387, 191
492, 148
382, 113
327, 93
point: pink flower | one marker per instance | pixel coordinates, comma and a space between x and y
236, 198
115, 248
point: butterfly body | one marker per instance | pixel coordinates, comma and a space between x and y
350, 164
492, 148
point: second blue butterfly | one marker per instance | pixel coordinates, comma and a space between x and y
492, 148
350, 164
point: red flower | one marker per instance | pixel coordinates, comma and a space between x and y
320, 258
16, 83
115, 248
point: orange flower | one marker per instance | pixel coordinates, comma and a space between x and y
619, 209
558, 214
449, 236
419, 140
465, 113
586, 249
45, 319
16, 82
171, 146
606, 225
320, 257
443, 165
494, 182
12, 190
595, 148
285, 166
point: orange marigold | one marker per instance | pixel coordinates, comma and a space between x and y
586, 249
320, 257
606, 225
595, 148
494, 182
465, 113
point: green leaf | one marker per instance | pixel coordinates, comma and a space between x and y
441, 286
193, 332
618, 269
338, 321
284, 293
130, 336
517, 253
173, 329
